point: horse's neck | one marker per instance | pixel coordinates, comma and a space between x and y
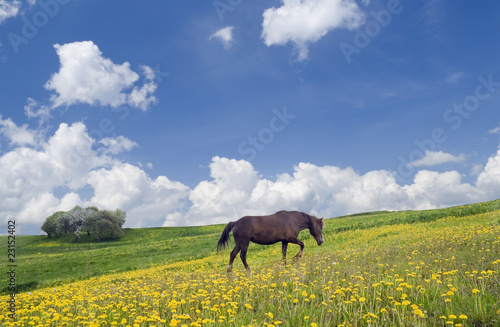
305, 223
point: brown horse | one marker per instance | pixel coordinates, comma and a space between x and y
283, 226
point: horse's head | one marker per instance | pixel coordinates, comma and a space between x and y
316, 229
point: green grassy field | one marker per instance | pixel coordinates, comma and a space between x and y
46, 262
422, 268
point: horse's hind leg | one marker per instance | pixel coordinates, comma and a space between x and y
232, 256
243, 256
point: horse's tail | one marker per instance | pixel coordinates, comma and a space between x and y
224, 238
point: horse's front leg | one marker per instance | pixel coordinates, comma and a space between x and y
299, 242
284, 245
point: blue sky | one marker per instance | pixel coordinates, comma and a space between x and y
188, 114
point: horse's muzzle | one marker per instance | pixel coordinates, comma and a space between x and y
321, 241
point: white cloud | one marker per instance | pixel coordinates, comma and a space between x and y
71, 155
148, 72
143, 97
85, 76
70, 168
489, 178
225, 35
495, 130
303, 22
30, 175
9, 9
433, 158
68, 160
147, 201
237, 189
117, 145
33, 109
17, 135
433, 190
228, 191
476, 170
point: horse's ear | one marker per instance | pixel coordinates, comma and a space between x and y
322, 223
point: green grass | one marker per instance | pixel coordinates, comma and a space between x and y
411, 268
45, 262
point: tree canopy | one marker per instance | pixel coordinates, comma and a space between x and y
106, 223
102, 223
50, 226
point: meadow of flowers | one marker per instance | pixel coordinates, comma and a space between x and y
439, 273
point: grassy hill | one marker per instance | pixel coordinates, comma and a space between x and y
45, 262
374, 268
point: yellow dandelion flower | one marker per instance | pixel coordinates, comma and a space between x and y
248, 306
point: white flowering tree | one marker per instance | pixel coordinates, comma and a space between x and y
76, 218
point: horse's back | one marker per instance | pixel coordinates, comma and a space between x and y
276, 220
267, 229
